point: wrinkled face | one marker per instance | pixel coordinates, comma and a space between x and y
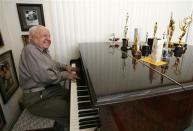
42, 38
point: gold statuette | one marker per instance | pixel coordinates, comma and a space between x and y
136, 43
170, 31
136, 48
183, 27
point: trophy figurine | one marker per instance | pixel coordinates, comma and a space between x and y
170, 31
184, 25
155, 30
150, 40
125, 39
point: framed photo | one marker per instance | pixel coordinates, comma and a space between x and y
30, 15
8, 77
25, 39
1, 40
2, 119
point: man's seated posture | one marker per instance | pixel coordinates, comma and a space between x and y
40, 78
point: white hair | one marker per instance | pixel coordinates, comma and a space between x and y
33, 31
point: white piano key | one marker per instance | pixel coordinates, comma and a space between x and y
74, 119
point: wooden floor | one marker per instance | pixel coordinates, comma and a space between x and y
163, 113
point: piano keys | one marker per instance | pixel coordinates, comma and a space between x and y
83, 116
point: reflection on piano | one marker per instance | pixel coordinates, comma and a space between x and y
83, 116
134, 103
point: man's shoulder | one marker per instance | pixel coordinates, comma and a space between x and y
30, 46
30, 49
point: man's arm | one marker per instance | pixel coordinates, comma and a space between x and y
42, 69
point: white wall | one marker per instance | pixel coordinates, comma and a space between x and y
11, 33
80, 21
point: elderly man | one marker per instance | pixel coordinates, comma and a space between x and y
40, 77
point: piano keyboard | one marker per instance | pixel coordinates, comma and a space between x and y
83, 117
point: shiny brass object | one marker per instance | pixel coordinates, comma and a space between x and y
136, 48
184, 25
136, 44
170, 31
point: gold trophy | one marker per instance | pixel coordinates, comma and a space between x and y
136, 46
184, 25
170, 31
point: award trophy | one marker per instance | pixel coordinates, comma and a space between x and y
145, 48
150, 40
136, 46
184, 25
113, 40
166, 53
125, 39
170, 31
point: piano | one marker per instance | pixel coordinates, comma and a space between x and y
126, 94
83, 116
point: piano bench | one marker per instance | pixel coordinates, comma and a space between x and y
29, 122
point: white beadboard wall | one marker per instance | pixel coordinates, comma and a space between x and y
79, 21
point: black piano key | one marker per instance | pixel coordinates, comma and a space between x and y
89, 126
84, 104
89, 119
89, 122
84, 107
82, 93
83, 99
82, 87
88, 114
81, 84
88, 111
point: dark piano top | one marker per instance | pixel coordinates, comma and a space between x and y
113, 79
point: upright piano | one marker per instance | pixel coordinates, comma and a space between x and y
117, 92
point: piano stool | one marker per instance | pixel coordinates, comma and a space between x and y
29, 122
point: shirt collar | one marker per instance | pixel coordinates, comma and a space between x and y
41, 49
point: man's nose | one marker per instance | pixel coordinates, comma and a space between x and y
48, 38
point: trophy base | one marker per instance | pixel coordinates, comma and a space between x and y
125, 46
178, 51
136, 54
145, 49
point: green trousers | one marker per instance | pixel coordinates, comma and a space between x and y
53, 102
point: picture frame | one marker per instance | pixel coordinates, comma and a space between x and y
30, 15
2, 119
25, 39
8, 77
1, 40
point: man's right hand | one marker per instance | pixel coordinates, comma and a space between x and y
72, 76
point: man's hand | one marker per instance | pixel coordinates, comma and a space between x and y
71, 69
72, 76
